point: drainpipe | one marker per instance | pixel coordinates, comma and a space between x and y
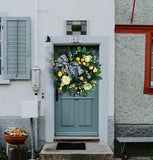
35, 87
36, 32
36, 76
36, 65
32, 147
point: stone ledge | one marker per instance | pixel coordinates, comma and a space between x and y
94, 151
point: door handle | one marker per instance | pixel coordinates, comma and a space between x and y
56, 94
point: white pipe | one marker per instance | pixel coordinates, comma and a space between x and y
36, 129
32, 147
36, 133
35, 124
36, 64
36, 32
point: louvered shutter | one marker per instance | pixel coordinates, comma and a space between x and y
16, 47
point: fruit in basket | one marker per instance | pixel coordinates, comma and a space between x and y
16, 132
15, 136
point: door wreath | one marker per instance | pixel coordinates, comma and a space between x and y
77, 71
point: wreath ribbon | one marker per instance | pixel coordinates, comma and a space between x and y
70, 67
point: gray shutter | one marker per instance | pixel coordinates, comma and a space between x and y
16, 47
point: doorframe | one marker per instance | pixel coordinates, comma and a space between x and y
103, 43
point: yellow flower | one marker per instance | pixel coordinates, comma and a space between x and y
90, 67
81, 78
59, 74
72, 85
95, 70
82, 59
66, 80
88, 58
84, 82
87, 86
83, 63
62, 84
78, 59
60, 88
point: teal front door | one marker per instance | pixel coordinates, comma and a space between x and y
76, 115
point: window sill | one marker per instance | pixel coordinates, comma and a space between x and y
3, 81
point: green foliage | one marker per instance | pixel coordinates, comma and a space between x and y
80, 84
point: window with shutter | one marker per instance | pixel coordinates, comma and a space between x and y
16, 47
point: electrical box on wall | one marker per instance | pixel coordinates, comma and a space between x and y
30, 109
36, 79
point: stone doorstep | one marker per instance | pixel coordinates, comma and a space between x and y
94, 151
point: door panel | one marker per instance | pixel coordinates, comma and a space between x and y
85, 110
67, 112
76, 115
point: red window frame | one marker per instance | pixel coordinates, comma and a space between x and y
148, 31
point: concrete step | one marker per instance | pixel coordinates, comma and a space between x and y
94, 151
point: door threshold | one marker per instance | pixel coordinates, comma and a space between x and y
94, 139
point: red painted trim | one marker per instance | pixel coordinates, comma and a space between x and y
121, 28
147, 89
148, 31
133, 11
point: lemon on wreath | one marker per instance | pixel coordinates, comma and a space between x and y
60, 88
82, 59
59, 74
83, 63
90, 67
77, 59
72, 85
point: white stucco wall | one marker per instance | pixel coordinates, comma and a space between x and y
12, 95
51, 16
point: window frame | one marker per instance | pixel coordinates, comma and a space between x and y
148, 31
2, 80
